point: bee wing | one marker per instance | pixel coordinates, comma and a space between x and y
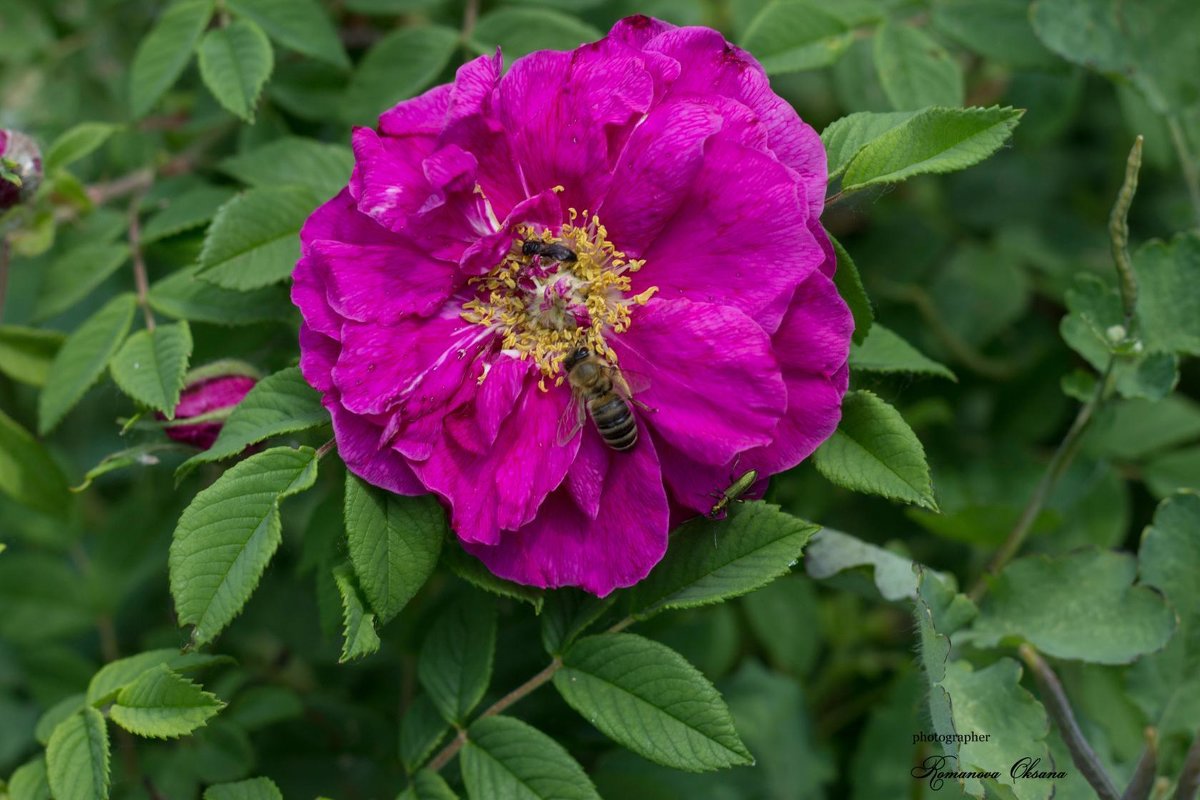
571, 420
629, 383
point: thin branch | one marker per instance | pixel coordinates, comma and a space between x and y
324, 449
1118, 234
139, 262
1189, 778
1143, 774
1059, 709
1191, 173
1062, 458
449, 751
470, 16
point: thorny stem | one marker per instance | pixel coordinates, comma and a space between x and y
1059, 709
1061, 459
1189, 778
450, 750
1191, 173
139, 262
1143, 774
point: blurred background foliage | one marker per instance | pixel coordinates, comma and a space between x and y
973, 269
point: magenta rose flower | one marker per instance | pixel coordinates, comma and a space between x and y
20, 168
209, 395
639, 215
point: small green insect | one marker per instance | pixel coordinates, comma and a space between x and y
736, 489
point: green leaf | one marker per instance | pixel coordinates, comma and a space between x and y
845, 137
189, 210
79, 142
521, 31
235, 63
1083, 605
710, 561
1170, 472
42, 598
29, 781
427, 785
55, 714
833, 552
228, 534
116, 675
323, 168
915, 71
278, 404
26, 353
1134, 429
1168, 307
183, 295
455, 662
850, 287
782, 616
794, 35
75, 274
421, 730
992, 700
568, 613
1148, 44
394, 543
28, 474
82, 359
151, 364
874, 451
358, 624
77, 758
646, 697
936, 140
1166, 685
884, 351
165, 51
163, 705
254, 240
472, 570
396, 68
301, 25
252, 789
506, 758
996, 29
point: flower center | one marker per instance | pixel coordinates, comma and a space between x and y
553, 294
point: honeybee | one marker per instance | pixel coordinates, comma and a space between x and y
556, 252
603, 391
734, 493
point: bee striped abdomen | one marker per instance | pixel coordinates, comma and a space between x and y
614, 421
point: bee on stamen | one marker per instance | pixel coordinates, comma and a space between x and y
598, 387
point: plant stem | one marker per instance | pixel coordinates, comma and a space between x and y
324, 449
1059, 709
470, 16
139, 262
1189, 778
1118, 234
449, 751
1143, 774
1062, 458
1191, 174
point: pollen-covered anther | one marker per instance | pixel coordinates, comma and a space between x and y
545, 305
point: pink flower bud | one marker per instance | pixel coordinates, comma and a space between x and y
210, 394
20, 168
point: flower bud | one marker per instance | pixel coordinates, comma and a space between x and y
209, 395
20, 168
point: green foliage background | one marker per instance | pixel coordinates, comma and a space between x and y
999, 312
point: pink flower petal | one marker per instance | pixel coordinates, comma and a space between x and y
615, 548
503, 488
715, 388
382, 284
358, 446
